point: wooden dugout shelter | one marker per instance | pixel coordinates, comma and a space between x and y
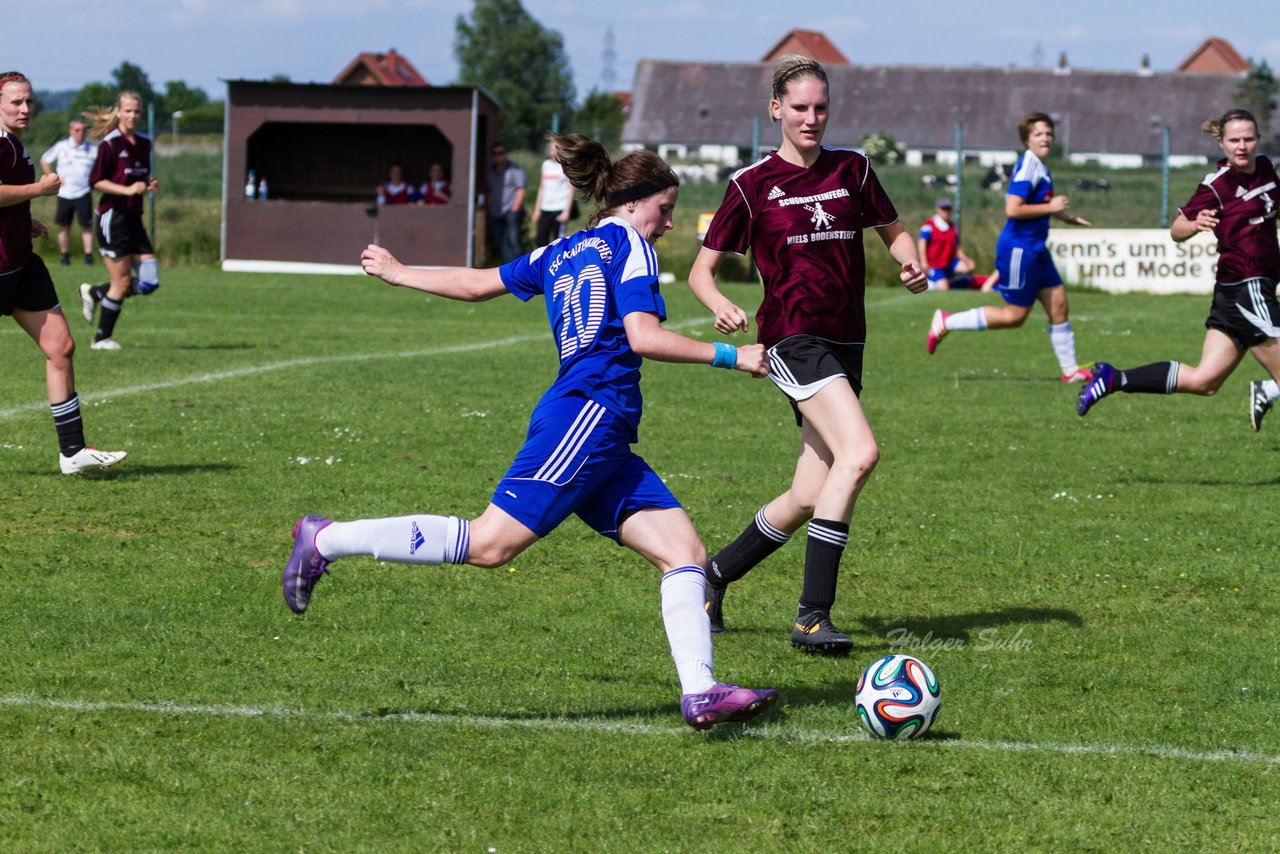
323, 150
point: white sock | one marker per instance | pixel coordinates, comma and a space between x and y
402, 539
684, 614
973, 320
1270, 388
1064, 345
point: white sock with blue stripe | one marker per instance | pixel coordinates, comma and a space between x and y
420, 539
973, 320
1064, 345
684, 614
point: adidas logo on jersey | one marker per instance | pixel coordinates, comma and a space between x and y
416, 540
776, 193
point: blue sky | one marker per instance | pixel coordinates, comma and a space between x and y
61, 44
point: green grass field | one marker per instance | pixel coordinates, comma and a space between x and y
1097, 596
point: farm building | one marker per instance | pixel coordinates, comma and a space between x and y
715, 110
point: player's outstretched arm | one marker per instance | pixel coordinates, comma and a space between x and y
460, 283
648, 339
702, 281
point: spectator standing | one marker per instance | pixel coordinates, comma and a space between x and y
506, 204
73, 158
554, 202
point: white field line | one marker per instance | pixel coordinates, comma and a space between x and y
251, 370
553, 724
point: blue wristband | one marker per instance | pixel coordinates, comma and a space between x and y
726, 356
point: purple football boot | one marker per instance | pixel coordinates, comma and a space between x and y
306, 564
725, 704
1102, 384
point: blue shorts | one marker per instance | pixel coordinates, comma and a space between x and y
1024, 273
934, 274
577, 458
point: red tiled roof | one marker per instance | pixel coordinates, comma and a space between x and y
1214, 55
381, 69
808, 43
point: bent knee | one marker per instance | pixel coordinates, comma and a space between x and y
1204, 387
490, 555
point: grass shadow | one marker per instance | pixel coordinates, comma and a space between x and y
128, 471
1201, 481
214, 346
959, 628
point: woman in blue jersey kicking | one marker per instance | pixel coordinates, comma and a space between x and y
1023, 265
600, 287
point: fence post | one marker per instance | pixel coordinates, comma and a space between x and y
959, 173
151, 129
1165, 134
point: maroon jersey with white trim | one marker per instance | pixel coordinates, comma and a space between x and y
1246, 230
804, 228
125, 163
16, 169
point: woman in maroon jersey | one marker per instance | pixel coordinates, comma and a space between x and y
802, 212
1237, 203
122, 174
26, 289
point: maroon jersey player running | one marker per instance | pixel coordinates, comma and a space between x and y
26, 289
802, 212
122, 174
1237, 204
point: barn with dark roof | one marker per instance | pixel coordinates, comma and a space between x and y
714, 110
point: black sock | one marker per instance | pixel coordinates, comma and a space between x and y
65, 259
756, 542
108, 314
66, 420
827, 539
1155, 378
100, 291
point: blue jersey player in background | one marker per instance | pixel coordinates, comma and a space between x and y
600, 288
1023, 264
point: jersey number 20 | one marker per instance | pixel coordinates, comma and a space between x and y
582, 302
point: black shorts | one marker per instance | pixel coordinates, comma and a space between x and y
1246, 312
121, 235
30, 288
801, 365
81, 208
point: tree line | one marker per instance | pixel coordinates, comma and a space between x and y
55, 109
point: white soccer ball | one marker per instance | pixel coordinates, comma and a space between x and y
898, 697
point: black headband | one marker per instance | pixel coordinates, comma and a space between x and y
653, 184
